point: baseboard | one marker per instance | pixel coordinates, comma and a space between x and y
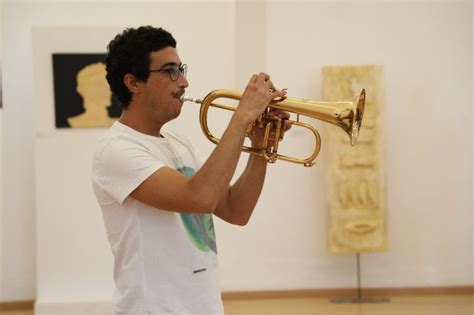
347, 292
16, 305
74, 308
104, 307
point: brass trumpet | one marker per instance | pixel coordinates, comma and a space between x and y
345, 114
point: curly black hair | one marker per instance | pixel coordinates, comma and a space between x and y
129, 52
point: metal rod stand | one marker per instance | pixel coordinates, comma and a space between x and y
359, 298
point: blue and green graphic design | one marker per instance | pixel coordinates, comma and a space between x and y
200, 227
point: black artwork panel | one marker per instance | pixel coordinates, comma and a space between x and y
68, 102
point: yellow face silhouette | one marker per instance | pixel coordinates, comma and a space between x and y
96, 96
92, 85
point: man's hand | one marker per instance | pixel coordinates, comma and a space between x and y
258, 93
257, 133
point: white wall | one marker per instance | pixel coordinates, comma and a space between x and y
426, 49
1, 150
18, 242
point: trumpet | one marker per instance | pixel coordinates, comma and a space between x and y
345, 114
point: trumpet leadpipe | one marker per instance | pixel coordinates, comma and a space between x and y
185, 98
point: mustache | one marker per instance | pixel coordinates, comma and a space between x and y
178, 93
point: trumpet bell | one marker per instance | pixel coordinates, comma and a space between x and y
345, 114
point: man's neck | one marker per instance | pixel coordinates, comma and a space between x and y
140, 123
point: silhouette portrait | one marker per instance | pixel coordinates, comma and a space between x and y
81, 92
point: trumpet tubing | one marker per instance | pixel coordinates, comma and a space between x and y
345, 114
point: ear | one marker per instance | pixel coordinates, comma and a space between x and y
131, 83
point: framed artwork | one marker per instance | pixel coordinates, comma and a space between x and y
82, 95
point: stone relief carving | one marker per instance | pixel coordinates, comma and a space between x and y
355, 176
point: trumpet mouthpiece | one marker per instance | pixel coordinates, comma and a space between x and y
185, 98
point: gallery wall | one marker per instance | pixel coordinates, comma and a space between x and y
472, 134
1, 149
425, 49
53, 244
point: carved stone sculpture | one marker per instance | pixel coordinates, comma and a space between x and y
355, 176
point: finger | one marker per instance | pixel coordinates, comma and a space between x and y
272, 86
269, 86
278, 113
284, 115
253, 79
281, 98
271, 113
278, 93
263, 78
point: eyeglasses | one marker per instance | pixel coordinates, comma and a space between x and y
174, 71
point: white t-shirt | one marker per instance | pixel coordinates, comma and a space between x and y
164, 262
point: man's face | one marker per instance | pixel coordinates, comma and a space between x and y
161, 93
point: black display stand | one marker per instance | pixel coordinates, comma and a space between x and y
359, 298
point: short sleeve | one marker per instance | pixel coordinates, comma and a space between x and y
121, 166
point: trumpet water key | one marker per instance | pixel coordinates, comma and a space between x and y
345, 114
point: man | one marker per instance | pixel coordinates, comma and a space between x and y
156, 195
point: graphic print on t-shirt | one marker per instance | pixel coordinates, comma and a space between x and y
200, 227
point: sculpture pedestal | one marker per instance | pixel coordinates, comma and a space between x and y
359, 298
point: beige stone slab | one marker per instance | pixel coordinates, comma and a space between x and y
355, 176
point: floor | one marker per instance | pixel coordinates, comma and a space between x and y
398, 305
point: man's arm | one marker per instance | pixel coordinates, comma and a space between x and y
237, 205
168, 189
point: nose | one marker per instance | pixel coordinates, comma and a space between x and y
182, 81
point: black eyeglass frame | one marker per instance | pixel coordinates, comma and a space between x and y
174, 71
